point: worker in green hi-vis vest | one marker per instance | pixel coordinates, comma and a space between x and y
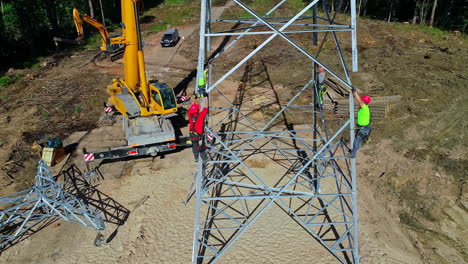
202, 85
363, 123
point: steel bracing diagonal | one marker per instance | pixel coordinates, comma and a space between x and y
46, 200
276, 150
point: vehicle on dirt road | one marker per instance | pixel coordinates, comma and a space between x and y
145, 105
170, 38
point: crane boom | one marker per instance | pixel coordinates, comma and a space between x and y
134, 63
145, 104
149, 98
132, 95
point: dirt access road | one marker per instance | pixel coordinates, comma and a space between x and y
151, 225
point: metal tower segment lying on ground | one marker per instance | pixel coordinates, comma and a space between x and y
46, 199
315, 183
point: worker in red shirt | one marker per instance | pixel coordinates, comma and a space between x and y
196, 126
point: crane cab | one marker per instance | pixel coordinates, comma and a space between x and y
164, 98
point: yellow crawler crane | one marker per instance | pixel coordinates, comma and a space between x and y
146, 105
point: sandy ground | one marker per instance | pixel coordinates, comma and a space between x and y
160, 230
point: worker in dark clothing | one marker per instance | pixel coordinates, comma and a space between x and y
363, 122
196, 126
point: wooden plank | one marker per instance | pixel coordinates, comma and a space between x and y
376, 100
355, 110
370, 106
373, 116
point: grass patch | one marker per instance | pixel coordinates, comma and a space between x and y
157, 28
433, 32
93, 42
174, 2
457, 168
7, 80
33, 63
413, 223
236, 12
419, 205
179, 15
297, 5
219, 2
450, 242
171, 13
261, 7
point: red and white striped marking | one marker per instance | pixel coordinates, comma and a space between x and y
89, 157
108, 109
132, 152
209, 137
183, 98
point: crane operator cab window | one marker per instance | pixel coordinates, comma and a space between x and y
168, 98
157, 98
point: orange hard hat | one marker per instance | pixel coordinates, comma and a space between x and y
366, 99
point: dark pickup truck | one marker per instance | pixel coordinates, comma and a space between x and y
170, 38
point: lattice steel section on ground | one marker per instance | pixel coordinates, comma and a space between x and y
46, 200
315, 184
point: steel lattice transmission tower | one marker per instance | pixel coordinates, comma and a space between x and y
314, 183
24, 210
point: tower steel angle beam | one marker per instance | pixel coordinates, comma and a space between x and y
315, 183
46, 200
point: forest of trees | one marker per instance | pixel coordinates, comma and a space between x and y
28, 26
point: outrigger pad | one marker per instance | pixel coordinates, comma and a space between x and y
148, 130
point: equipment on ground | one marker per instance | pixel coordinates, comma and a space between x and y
145, 105
53, 151
30, 210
